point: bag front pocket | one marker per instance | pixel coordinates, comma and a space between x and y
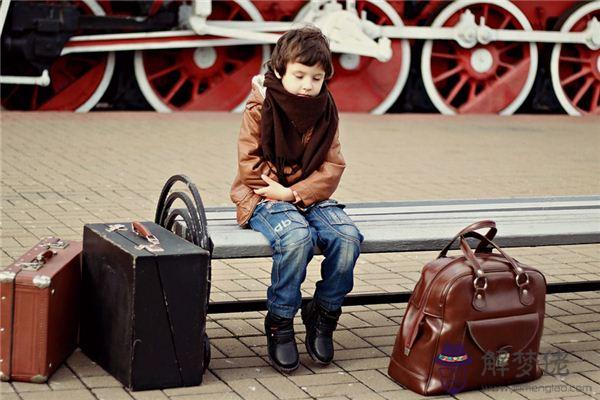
502, 350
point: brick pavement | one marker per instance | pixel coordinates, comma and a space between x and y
61, 170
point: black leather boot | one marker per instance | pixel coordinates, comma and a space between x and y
281, 343
320, 325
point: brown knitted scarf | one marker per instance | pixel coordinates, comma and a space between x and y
285, 118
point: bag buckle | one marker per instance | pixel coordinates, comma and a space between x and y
502, 358
477, 280
524, 283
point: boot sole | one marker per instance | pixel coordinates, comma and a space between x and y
313, 356
283, 369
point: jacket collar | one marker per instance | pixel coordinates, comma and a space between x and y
258, 92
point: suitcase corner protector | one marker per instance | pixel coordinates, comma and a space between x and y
42, 281
7, 276
38, 379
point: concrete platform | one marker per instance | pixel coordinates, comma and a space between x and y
61, 170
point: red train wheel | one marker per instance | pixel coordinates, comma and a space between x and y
77, 81
272, 10
575, 68
363, 84
492, 78
204, 78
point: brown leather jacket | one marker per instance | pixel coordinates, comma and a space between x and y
319, 186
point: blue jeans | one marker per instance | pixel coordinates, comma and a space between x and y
293, 234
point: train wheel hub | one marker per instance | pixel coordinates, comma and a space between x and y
482, 60
205, 57
350, 61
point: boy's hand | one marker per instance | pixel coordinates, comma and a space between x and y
275, 190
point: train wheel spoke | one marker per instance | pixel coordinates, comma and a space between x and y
448, 56
448, 74
596, 97
574, 77
164, 71
175, 88
583, 90
457, 88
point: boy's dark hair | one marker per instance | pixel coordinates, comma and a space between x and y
307, 46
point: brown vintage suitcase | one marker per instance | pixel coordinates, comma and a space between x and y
473, 321
39, 310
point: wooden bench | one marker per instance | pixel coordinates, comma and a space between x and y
428, 225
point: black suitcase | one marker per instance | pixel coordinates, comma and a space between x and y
144, 305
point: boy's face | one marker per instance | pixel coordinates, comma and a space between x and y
303, 80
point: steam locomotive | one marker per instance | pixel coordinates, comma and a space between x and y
452, 57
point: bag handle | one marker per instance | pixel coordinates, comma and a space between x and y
519, 272
480, 282
489, 224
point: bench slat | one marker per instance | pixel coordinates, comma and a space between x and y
388, 219
217, 215
392, 227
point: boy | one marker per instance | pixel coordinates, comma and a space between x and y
289, 164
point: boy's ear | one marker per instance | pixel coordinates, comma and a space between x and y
276, 73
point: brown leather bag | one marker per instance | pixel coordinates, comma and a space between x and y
473, 321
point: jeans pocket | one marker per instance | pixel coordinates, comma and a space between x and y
334, 212
283, 216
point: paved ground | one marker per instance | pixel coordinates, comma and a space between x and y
62, 170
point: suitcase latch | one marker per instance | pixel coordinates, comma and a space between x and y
31, 266
116, 227
61, 244
153, 248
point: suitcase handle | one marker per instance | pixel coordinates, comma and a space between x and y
139, 229
38, 261
44, 256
